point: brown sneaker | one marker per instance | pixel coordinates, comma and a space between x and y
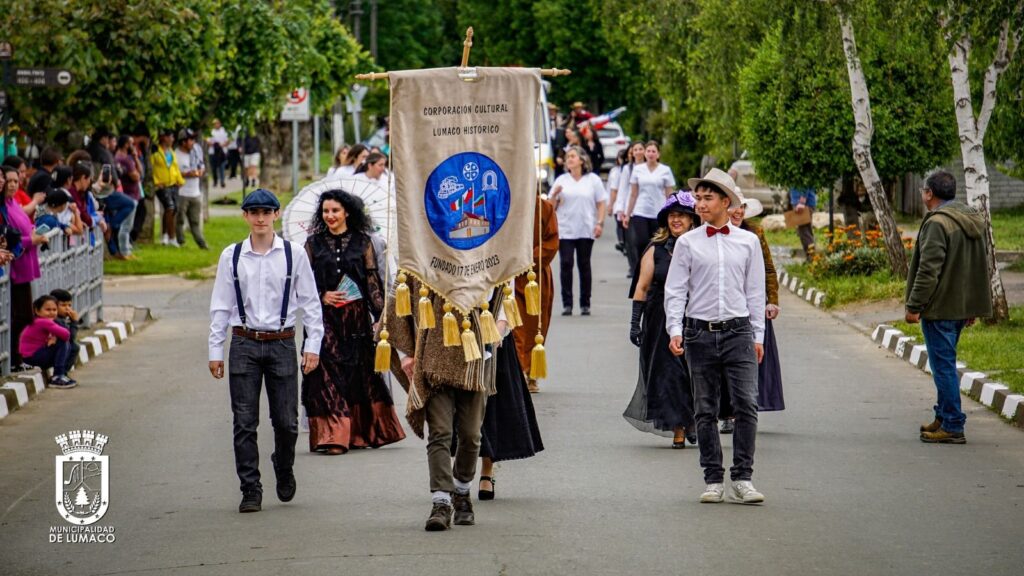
440, 518
463, 510
532, 386
941, 436
933, 427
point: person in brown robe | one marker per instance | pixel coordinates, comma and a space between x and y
543, 254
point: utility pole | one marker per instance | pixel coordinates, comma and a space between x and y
356, 12
373, 29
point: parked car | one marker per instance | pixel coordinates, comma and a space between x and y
542, 147
751, 187
612, 140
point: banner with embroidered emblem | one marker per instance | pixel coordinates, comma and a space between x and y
465, 177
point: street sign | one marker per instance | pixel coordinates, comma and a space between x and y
56, 77
296, 109
6, 51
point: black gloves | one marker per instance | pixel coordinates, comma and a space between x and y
634, 323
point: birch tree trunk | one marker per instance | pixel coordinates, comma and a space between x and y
972, 138
864, 130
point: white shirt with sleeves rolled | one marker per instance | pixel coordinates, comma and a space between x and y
262, 278
716, 278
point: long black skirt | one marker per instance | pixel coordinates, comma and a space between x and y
663, 399
769, 379
510, 430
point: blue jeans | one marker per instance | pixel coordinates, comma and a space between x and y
940, 339
120, 214
55, 356
716, 359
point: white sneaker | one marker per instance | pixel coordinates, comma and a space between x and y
163, 240
713, 494
744, 491
173, 243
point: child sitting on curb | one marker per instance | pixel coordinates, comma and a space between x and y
67, 318
44, 343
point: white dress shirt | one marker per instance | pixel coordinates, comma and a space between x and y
715, 279
262, 279
576, 205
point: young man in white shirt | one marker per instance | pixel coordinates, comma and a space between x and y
260, 284
716, 290
190, 195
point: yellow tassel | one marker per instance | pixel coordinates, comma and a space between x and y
512, 315
488, 327
469, 345
451, 327
403, 305
426, 309
532, 294
382, 359
538, 360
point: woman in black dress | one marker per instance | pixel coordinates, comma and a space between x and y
347, 402
663, 401
510, 430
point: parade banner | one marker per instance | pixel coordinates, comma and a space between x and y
465, 177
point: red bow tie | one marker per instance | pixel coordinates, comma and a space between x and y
722, 230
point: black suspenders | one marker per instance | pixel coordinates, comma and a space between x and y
236, 255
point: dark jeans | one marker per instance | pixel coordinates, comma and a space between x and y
806, 234
55, 357
579, 248
218, 165
234, 161
21, 316
640, 232
940, 339
119, 210
716, 359
140, 219
250, 364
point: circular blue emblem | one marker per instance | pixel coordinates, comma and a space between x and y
467, 200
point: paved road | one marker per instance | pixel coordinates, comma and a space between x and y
850, 488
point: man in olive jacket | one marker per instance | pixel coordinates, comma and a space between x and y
948, 287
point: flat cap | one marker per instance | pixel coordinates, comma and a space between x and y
261, 198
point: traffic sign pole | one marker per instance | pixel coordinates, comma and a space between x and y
316, 145
295, 157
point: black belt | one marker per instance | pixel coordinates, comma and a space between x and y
717, 326
263, 335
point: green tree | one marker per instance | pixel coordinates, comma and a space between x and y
131, 60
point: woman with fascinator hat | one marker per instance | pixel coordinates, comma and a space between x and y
663, 401
348, 404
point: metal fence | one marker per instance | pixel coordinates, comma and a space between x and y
72, 263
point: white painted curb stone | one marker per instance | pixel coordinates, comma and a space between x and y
1011, 404
19, 390
967, 380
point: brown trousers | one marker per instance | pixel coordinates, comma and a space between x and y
447, 409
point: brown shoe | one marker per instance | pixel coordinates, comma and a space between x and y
463, 510
941, 436
532, 386
440, 518
933, 427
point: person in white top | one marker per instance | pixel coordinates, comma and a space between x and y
715, 289
217, 146
580, 202
354, 159
190, 196
374, 169
260, 284
612, 185
634, 158
339, 159
650, 184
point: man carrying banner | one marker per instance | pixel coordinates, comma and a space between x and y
465, 187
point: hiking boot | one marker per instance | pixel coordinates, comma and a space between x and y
933, 427
440, 517
743, 491
252, 501
285, 482
713, 494
463, 510
941, 436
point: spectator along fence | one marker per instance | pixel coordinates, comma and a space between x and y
73, 263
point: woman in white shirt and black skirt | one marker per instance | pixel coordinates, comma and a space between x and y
650, 184
580, 202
